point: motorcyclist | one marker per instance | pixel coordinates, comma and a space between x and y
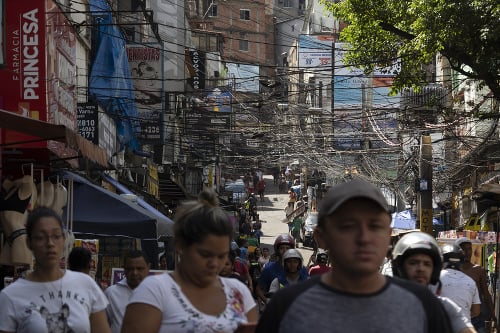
292, 263
275, 269
457, 285
417, 257
252, 206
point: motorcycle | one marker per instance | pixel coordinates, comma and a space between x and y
308, 230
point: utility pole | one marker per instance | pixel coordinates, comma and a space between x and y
332, 105
425, 184
335, 34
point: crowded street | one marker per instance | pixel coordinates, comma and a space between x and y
250, 166
273, 217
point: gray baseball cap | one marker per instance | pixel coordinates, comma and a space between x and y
343, 192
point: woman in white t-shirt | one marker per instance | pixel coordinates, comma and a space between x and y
51, 299
194, 298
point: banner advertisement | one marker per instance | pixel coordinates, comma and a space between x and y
204, 130
348, 92
315, 50
219, 101
209, 122
97, 127
243, 77
146, 65
24, 76
195, 62
350, 82
88, 121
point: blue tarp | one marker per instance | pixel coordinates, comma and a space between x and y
406, 220
110, 81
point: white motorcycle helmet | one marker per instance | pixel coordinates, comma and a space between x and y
293, 253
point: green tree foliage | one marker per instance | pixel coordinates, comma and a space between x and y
466, 32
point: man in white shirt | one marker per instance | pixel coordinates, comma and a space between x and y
136, 269
456, 285
417, 257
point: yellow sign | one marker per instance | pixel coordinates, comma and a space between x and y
153, 180
426, 221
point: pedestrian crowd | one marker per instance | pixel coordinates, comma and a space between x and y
219, 284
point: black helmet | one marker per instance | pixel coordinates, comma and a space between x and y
416, 243
322, 258
453, 256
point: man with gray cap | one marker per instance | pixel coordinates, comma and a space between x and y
354, 226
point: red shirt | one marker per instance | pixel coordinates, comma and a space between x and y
319, 269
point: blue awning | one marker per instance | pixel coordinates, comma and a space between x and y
101, 212
165, 224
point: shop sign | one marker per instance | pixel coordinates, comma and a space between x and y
88, 121
24, 75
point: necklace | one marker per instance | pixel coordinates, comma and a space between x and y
52, 289
57, 291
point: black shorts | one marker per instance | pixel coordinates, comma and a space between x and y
260, 192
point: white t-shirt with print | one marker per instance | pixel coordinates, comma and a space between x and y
180, 316
460, 288
63, 305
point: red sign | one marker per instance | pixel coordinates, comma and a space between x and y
24, 75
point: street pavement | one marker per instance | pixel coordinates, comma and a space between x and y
272, 215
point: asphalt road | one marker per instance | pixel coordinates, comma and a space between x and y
271, 210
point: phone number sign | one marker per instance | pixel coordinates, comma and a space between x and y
87, 118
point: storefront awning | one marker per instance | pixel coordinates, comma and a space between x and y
101, 212
165, 228
47, 131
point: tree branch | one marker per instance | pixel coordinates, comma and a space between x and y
391, 28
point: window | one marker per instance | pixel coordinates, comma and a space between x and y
243, 45
212, 11
129, 33
287, 3
243, 42
245, 14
